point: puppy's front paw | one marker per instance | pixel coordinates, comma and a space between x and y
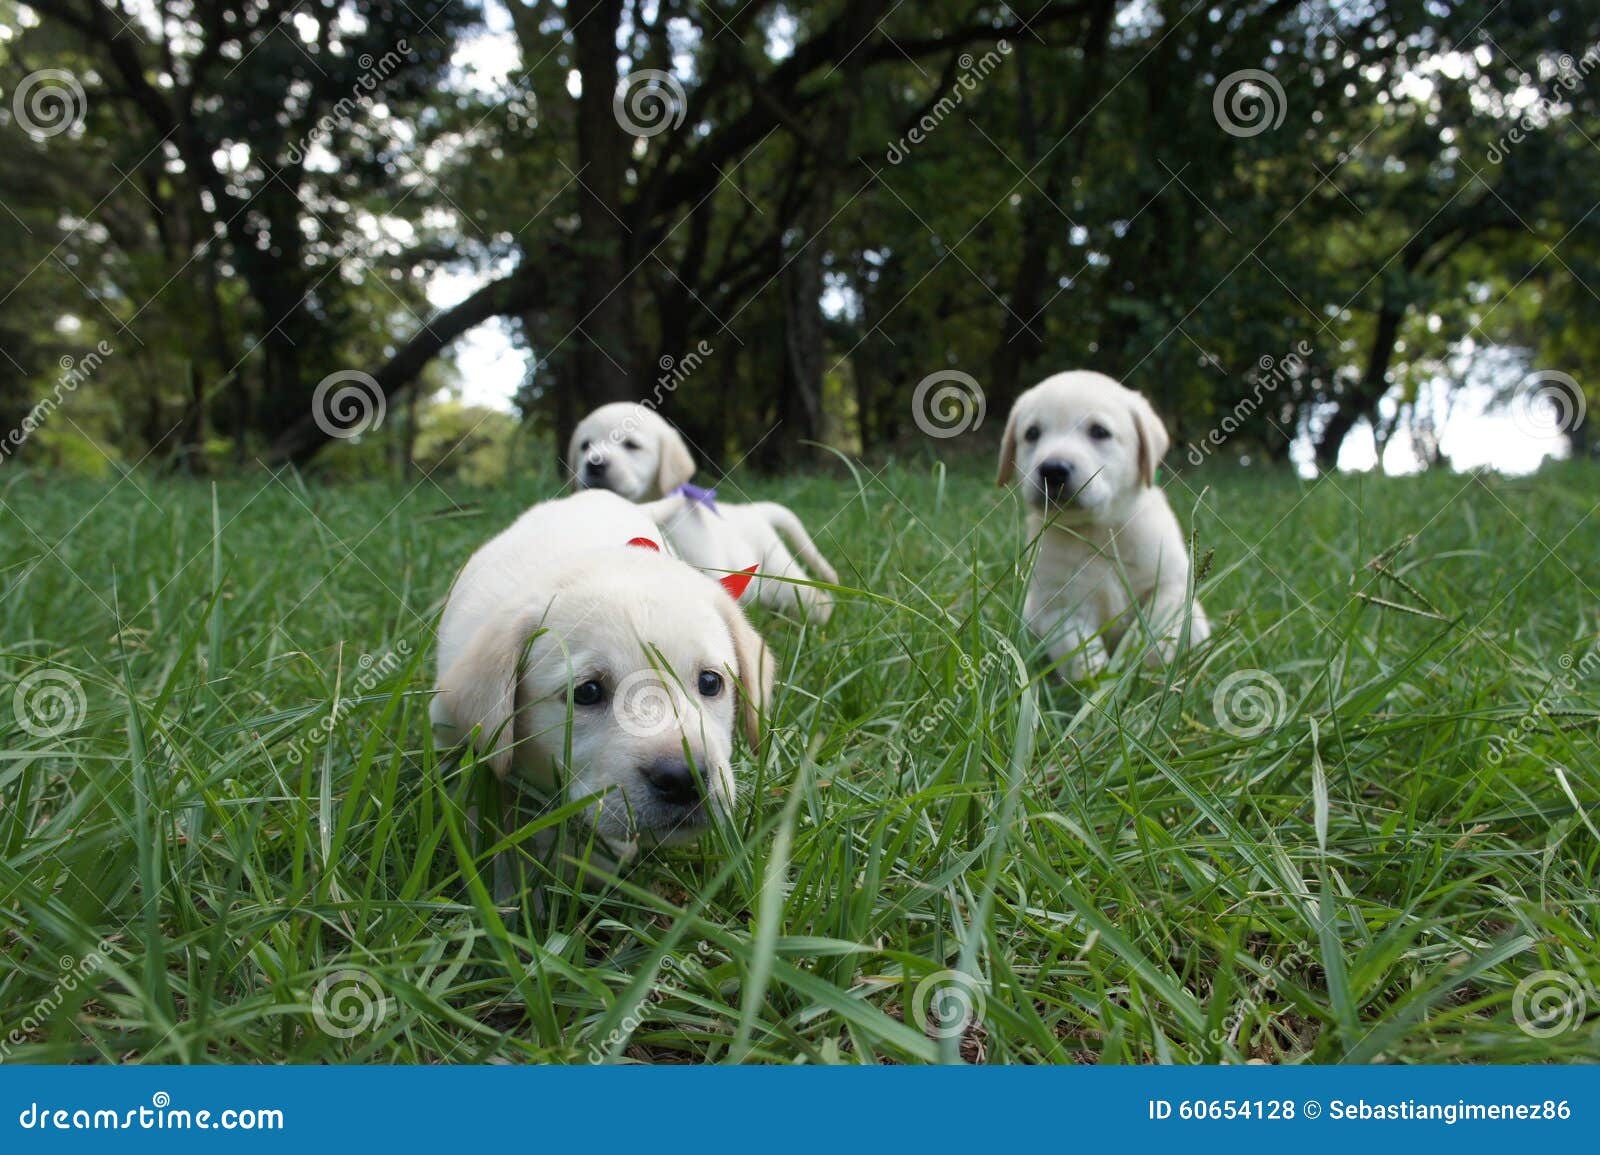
1169, 639
1160, 652
817, 606
1082, 662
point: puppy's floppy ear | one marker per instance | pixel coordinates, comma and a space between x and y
478, 693
757, 670
1008, 450
677, 464
1153, 439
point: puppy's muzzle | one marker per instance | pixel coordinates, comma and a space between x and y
1055, 479
673, 781
594, 474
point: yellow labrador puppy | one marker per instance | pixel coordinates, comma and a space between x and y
629, 449
1085, 448
632, 450
581, 661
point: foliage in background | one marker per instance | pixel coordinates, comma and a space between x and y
838, 197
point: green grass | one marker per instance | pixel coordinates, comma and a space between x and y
1108, 872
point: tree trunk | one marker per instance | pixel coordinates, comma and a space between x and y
603, 325
285, 400
1362, 400
804, 348
191, 450
16, 368
804, 335
1022, 339
1582, 439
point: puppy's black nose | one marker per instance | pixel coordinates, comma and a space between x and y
595, 468
673, 780
1055, 474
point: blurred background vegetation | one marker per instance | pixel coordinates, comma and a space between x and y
837, 199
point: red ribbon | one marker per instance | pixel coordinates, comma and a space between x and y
736, 583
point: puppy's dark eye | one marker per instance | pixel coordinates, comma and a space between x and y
1031, 434
583, 447
630, 443
587, 693
1099, 432
710, 683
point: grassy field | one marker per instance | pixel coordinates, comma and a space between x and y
1360, 825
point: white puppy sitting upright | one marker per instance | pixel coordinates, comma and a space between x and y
575, 656
633, 451
1086, 449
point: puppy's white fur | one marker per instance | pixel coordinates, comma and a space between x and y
560, 599
735, 537
1107, 537
633, 451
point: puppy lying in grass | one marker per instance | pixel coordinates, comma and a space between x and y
580, 661
633, 451
1086, 449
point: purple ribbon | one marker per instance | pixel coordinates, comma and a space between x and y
697, 496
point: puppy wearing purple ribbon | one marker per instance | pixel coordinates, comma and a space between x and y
633, 451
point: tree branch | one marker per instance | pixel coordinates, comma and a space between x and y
518, 292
